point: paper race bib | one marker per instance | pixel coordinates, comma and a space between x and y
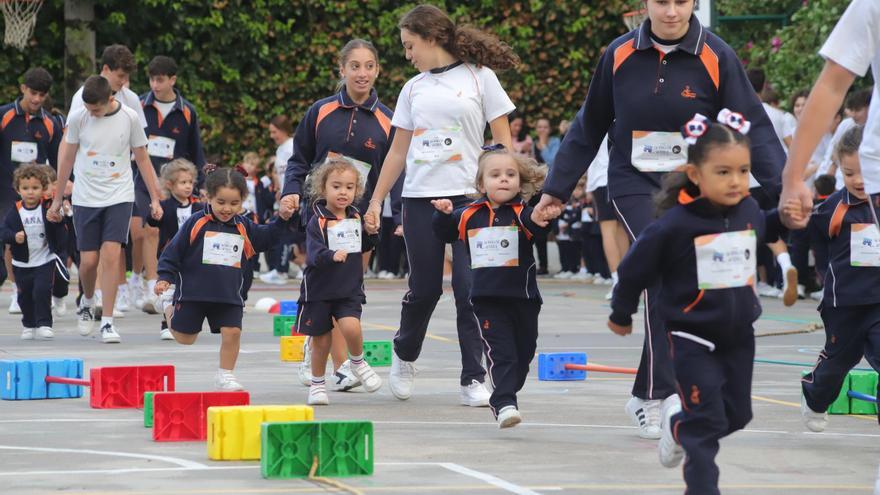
161, 147
344, 235
183, 215
221, 248
437, 146
864, 245
24, 151
654, 151
494, 246
105, 166
725, 260
362, 167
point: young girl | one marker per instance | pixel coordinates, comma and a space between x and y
845, 224
333, 287
702, 250
499, 234
204, 261
178, 176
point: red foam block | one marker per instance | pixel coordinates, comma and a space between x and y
182, 416
275, 309
123, 387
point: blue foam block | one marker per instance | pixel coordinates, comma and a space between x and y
288, 308
551, 367
26, 379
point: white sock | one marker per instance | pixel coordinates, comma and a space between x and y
87, 301
784, 261
614, 277
151, 284
221, 371
135, 279
57, 300
106, 320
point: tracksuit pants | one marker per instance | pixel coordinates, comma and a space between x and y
35, 294
509, 329
715, 389
655, 378
426, 254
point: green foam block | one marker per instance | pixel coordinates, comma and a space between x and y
341, 448
864, 382
148, 409
378, 352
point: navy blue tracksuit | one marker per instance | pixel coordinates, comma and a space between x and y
849, 308
709, 331
633, 79
36, 284
505, 298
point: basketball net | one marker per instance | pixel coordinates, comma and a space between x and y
20, 17
635, 18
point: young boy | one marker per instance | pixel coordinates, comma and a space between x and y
38, 248
99, 141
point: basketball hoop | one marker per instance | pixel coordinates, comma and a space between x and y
635, 18
20, 17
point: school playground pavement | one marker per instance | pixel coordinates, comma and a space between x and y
575, 437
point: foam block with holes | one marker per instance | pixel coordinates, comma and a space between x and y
25, 379
234, 432
340, 448
182, 416
551, 367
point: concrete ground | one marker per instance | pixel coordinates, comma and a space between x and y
575, 437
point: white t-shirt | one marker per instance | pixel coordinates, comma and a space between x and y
597, 174
855, 44
780, 123
282, 155
103, 164
35, 237
164, 107
845, 125
447, 113
125, 96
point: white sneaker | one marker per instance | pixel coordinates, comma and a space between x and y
765, 290
109, 335
123, 303
370, 274
45, 333
386, 275
813, 420
14, 308
790, 287
343, 379
305, 368
583, 276
117, 313
475, 395
165, 334
318, 396
226, 381
27, 333
59, 306
610, 293
85, 320
368, 378
563, 275
508, 417
401, 378
273, 277
669, 450
646, 415
150, 304
136, 293
818, 295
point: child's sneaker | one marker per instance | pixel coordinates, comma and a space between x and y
475, 395
646, 415
45, 333
343, 379
508, 417
109, 335
318, 395
123, 303
402, 376
368, 378
14, 308
813, 420
563, 275
305, 368
790, 287
85, 320
670, 451
226, 381
59, 306
165, 334
27, 333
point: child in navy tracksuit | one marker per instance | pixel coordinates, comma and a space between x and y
205, 261
332, 291
38, 248
179, 177
499, 234
702, 250
568, 236
847, 224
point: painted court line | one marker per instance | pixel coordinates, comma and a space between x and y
488, 478
183, 463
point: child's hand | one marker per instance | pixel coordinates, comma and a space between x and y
161, 286
442, 205
619, 329
340, 256
398, 231
792, 209
19, 237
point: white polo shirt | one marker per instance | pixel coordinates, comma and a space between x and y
447, 113
855, 45
103, 165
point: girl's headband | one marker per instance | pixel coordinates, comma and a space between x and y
699, 124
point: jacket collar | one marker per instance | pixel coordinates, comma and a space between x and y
484, 200
19, 110
702, 206
692, 43
209, 212
849, 199
178, 100
369, 105
321, 210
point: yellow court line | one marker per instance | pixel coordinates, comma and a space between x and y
394, 329
794, 404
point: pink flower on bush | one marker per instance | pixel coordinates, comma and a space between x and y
775, 43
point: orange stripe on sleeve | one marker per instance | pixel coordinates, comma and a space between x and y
7, 118
384, 121
325, 110
622, 52
710, 61
836, 222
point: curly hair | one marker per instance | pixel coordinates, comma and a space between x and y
30, 171
171, 169
531, 174
317, 181
466, 43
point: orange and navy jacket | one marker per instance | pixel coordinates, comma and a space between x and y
517, 282
172, 214
181, 261
182, 125
44, 129
323, 278
665, 253
830, 229
337, 124
56, 233
638, 88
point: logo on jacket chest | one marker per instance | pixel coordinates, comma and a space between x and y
175, 130
369, 144
687, 93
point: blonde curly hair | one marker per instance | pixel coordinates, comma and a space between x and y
317, 182
531, 174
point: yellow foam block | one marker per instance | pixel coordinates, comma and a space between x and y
292, 347
234, 431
